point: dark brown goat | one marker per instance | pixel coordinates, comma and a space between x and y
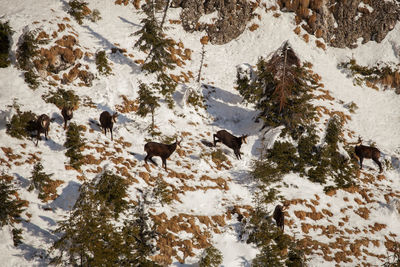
42, 125
279, 216
367, 152
107, 121
67, 114
161, 150
231, 141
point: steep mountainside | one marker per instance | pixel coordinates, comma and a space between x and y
207, 196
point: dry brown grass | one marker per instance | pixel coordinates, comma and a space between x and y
320, 44
254, 27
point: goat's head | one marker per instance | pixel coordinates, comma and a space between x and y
114, 117
178, 143
359, 142
244, 137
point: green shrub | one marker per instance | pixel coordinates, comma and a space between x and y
40, 180
17, 236
76, 10
102, 63
162, 193
31, 79
195, 99
22, 124
211, 257
74, 143
111, 189
95, 15
393, 259
27, 50
62, 98
5, 44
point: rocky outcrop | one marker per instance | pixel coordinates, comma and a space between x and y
342, 23
230, 22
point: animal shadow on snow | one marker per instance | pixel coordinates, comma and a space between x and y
207, 143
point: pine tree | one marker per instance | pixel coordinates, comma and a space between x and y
153, 41
74, 143
281, 91
138, 237
148, 102
40, 180
10, 207
88, 237
211, 257
111, 189
5, 44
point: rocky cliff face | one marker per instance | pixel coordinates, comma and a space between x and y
229, 24
341, 23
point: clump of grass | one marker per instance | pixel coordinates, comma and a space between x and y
218, 156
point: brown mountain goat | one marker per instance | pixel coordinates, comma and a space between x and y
107, 121
67, 114
231, 141
367, 152
161, 150
42, 125
279, 216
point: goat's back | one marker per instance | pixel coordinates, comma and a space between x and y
157, 149
367, 152
105, 119
228, 139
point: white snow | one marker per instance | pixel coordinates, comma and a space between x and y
376, 120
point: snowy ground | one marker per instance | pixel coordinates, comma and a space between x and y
376, 119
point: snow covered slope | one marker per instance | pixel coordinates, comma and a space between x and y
348, 227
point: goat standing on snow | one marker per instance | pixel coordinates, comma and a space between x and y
107, 121
367, 152
161, 150
42, 125
279, 216
231, 141
67, 114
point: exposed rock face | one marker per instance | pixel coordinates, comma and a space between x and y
341, 23
230, 23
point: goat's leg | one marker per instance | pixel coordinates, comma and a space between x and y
111, 134
46, 132
361, 160
164, 163
379, 164
215, 141
151, 159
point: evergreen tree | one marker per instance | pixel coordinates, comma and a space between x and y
111, 189
138, 239
40, 180
27, 50
102, 63
211, 257
153, 41
5, 44
74, 143
77, 10
281, 91
10, 207
148, 102
88, 235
